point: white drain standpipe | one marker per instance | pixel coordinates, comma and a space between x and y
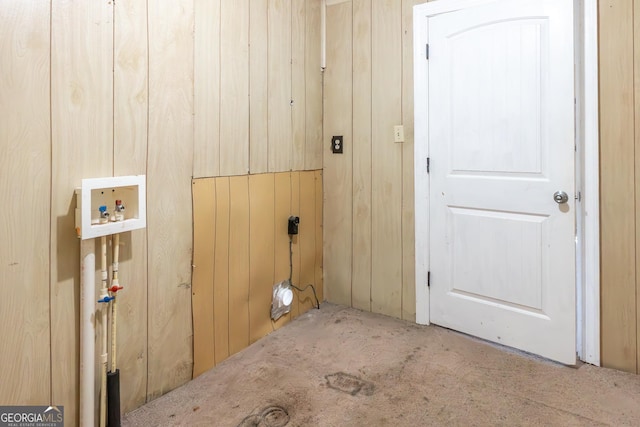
87, 332
88, 316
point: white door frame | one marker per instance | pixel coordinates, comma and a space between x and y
587, 168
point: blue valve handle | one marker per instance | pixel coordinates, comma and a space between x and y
106, 299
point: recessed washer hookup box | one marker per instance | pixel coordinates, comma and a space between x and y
110, 205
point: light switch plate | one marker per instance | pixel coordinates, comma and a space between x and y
398, 133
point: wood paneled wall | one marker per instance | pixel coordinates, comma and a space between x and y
369, 219
91, 89
258, 87
619, 35
369, 189
241, 249
25, 162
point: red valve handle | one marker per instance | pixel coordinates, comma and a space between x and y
115, 288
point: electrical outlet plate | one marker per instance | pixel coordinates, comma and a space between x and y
96, 192
337, 144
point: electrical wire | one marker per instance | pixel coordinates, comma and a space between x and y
291, 274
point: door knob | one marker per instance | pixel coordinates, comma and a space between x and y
560, 197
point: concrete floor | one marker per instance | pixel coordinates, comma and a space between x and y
342, 367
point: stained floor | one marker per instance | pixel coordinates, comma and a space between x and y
339, 366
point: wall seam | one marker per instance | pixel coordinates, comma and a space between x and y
635, 170
113, 88
267, 139
249, 86
248, 266
229, 267
304, 75
402, 193
193, 129
213, 262
370, 177
249, 258
193, 252
633, 175
219, 87
50, 198
353, 131
292, 148
322, 152
146, 394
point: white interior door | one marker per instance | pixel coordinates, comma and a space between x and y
501, 143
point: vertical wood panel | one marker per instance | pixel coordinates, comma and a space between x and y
337, 167
130, 91
408, 224
130, 100
307, 241
313, 87
221, 272
170, 163
82, 147
25, 160
204, 238
636, 82
258, 73
279, 81
261, 258
361, 274
234, 87
238, 264
618, 256
206, 83
298, 90
296, 249
386, 161
319, 266
282, 210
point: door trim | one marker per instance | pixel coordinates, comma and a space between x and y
589, 262
587, 168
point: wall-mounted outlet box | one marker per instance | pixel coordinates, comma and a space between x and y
110, 205
292, 225
337, 144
